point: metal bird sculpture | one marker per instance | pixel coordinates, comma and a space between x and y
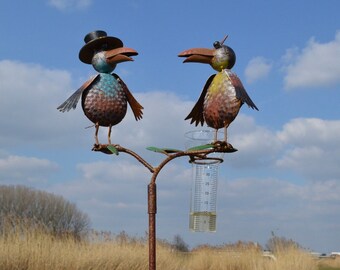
223, 94
104, 96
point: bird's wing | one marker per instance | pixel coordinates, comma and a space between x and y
71, 102
196, 114
241, 93
135, 106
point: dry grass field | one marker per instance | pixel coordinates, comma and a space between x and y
35, 250
329, 264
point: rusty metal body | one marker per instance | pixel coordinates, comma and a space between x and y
221, 104
105, 101
105, 96
223, 94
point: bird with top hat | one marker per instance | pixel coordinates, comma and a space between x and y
105, 96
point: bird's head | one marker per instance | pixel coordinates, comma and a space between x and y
221, 57
106, 61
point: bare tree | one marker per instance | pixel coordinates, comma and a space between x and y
40, 208
179, 244
277, 243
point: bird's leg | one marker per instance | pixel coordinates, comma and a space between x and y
215, 135
96, 133
109, 134
227, 146
225, 133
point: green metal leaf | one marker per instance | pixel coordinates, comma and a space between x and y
155, 149
113, 149
163, 150
171, 150
201, 147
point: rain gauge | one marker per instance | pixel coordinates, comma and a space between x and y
203, 198
202, 216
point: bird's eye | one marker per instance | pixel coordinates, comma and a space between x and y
217, 45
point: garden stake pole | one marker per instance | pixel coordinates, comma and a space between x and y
152, 211
171, 154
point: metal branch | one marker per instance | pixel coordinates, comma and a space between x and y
103, 148
195, 156
219, 147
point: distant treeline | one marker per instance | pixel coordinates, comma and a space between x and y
24, 206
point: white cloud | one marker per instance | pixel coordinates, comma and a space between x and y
161, 111
313, 162
30, 95
265, 205
70, 4
257, 145
317, 65
119, 187
307, 147
311, 148
25, 170
311, 131
257, 68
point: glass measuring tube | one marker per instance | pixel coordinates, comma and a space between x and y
203, 197
202, 217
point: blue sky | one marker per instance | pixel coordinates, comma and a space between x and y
284, 178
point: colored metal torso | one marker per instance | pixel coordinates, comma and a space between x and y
105, 101
221, 105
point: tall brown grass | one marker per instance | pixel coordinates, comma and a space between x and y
35, 249
330, 263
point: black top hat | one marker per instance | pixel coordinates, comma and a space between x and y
97, 40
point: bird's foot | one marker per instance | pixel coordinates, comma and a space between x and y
224, 146
101, 148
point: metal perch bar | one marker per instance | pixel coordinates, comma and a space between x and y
217, 147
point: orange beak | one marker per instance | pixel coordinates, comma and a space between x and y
198, 55
120, 55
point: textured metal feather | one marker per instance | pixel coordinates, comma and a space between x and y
71, 102
241, 92
135, 106
196, 114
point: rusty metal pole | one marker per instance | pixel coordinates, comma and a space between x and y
152, 196
152, 210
